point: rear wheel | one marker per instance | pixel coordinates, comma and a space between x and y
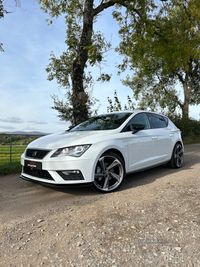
177, 157
109, 173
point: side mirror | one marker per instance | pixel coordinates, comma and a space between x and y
136, 127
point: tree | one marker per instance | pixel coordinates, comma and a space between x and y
4, 11
164, 52
116, 105
84, 47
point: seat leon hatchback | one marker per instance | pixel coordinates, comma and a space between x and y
101, 150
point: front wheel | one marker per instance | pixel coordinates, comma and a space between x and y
177, 157
109, 173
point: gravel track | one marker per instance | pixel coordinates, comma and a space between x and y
153, 220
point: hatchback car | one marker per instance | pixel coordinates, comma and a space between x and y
103, 149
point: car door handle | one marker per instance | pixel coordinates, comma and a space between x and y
154, 137
171, 134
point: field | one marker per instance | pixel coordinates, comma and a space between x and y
12, 147
10, 154
10, 158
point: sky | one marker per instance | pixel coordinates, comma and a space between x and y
25, 92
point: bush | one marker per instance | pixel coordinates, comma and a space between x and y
189, 128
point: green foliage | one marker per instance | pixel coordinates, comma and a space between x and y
5, 139
189, 127
4, 11
63, 68
116, 105
7, 155
84, 47
163, 50
12, 147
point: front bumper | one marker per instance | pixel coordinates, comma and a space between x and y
58, 171
56, 185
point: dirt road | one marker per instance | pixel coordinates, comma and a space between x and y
154, 220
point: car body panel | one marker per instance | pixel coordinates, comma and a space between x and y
144, 149
141, 150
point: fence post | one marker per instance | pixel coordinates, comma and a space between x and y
10, 148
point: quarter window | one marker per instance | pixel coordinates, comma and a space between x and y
157, 121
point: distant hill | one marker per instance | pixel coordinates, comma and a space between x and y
25, 133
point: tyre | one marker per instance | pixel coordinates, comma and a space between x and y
109, 173
177, 157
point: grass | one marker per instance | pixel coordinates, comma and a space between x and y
7, 167
19, 143
17, 151
10, 168
191, 140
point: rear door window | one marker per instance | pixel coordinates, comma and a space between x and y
157, 121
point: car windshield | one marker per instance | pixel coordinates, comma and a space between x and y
102, 122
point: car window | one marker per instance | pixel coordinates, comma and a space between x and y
102, 122
140, 118
157, 121
166, 120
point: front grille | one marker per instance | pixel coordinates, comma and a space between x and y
36, 153
38, 173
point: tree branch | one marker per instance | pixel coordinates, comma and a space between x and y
180, 78
102, 6
193, 75
167, 93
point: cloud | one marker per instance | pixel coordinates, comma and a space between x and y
7, 127
37, 122
12, 120
62, 122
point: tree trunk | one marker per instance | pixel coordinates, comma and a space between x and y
185, 106
79, 96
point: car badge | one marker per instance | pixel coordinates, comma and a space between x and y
32, 165
34, 153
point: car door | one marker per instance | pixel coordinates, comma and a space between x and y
141, 145
163, 141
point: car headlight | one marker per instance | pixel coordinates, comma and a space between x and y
73, 151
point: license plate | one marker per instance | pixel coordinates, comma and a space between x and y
33, 165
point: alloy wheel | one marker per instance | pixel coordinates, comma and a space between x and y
178, 155
109, 173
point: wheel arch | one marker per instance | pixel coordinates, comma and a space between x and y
117, 152
179, 142
171, 162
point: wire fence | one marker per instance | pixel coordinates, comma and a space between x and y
12, 146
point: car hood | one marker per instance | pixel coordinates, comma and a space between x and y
59, 140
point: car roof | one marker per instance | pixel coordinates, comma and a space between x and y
135, 111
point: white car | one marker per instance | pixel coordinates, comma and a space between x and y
102, 150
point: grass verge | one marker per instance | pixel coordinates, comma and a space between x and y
10, 168
190, 140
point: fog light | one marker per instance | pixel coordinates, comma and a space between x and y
70, 172
71, 175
